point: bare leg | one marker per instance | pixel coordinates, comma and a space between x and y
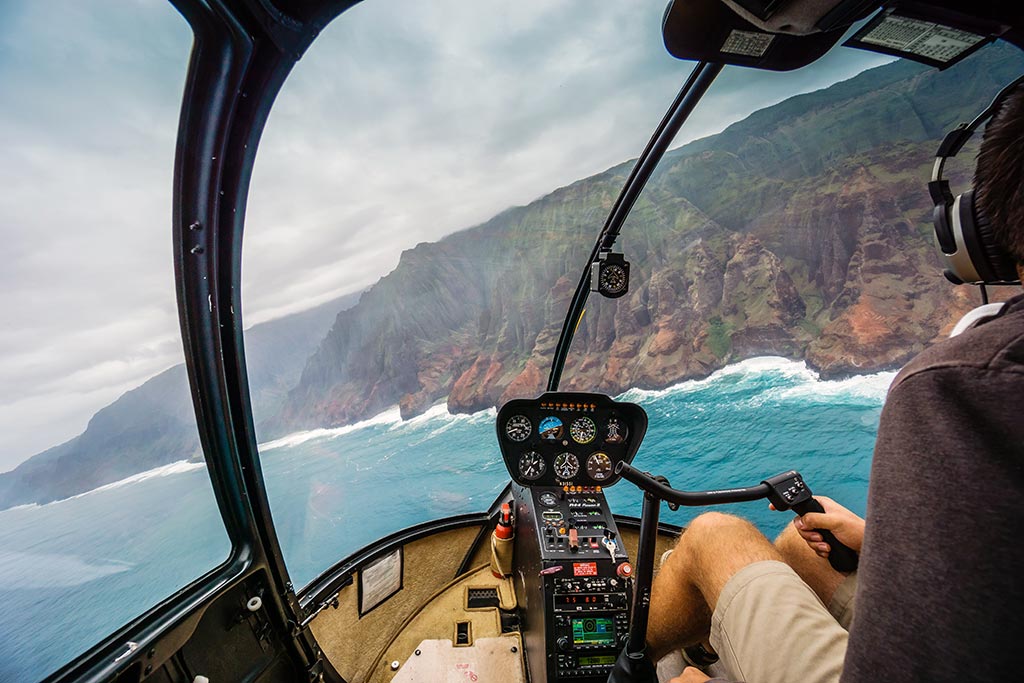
815, 571
713, 548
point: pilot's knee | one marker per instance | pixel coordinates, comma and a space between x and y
714, 524
790, 543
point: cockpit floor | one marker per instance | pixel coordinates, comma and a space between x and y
487, 659
446, 640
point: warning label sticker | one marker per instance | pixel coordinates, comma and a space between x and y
584, 568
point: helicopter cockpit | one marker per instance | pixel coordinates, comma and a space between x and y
409, 489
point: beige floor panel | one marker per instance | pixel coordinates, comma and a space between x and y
488, 660
438, 619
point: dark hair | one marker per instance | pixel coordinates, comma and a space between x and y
999, 176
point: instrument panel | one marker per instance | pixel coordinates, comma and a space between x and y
568, 438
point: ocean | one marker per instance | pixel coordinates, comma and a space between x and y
74, 570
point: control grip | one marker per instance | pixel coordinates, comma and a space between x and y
841, 557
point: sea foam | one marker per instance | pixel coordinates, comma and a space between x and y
390, 416
802, 382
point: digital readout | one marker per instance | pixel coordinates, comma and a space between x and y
585, 601
596, 660
593, 631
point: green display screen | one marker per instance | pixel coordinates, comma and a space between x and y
597, 660
593, 631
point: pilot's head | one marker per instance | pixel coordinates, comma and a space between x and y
999, 177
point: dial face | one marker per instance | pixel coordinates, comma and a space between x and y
531, 465
583, 430
613, 279
615, 431
599, 466
566, 465
551, 428
548, 499
518, 428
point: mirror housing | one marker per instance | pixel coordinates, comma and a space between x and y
710, 30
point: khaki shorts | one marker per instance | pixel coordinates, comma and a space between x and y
769, 626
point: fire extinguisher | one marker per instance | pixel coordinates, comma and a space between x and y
501, 543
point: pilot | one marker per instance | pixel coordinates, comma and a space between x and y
938, 594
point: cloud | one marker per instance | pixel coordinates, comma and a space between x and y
404, 122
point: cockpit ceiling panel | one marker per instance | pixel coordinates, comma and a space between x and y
709, 30
781, 35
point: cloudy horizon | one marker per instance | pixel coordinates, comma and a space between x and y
397, 127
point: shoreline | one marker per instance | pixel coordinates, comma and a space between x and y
868, 385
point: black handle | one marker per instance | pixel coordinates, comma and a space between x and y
841, 557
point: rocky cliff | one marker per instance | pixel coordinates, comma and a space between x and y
802, 231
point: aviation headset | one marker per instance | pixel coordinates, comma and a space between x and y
962, 229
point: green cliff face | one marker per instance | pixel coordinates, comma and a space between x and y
801, 231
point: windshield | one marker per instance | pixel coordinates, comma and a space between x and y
432, 190
105, 504
427, 190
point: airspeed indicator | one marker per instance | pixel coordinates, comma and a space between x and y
518, 428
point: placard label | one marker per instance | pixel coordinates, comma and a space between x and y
584, 568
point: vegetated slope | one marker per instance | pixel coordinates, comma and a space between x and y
802, 231
154, 424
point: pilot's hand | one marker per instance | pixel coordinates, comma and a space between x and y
847, 527
691, 674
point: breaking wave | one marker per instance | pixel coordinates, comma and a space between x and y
790, 379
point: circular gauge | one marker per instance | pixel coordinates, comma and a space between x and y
599, 466
518, 428
551, 428
548, 499
615, 431
566, 465
583, 430
613, 279
531, 465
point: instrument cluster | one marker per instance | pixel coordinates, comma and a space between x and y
568, 438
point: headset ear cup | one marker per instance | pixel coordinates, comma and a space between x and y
943, 232
997, 262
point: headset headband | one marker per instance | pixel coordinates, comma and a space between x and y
955, 140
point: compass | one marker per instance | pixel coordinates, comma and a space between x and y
612, 280
609, 275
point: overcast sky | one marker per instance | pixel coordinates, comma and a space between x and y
406, 121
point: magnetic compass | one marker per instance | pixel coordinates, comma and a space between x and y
613, 279
609, 275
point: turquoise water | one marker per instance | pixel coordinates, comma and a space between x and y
75, 570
